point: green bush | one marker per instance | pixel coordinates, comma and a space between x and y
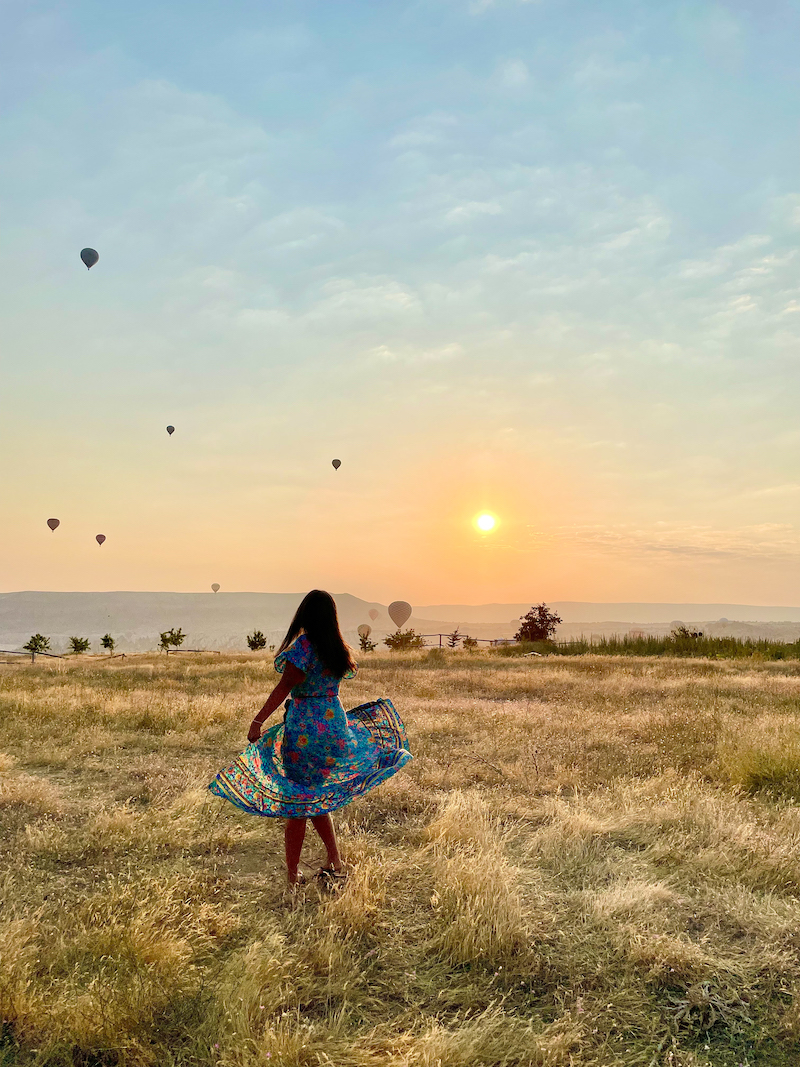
37, 643
171, 638
403, 641
539, 624
523, 648
256, 641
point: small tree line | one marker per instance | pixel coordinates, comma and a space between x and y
39, 644
404, 640
538, 625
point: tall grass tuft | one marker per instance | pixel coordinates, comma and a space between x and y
681, 646
674, 645
492, 1038
762, 755
478, 911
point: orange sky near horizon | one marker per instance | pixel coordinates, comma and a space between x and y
403, 532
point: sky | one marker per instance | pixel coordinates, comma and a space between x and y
537, 259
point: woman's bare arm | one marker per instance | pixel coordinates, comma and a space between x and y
291, 677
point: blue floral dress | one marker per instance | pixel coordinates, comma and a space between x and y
321, 756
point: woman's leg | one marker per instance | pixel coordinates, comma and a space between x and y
294, 834
323, 824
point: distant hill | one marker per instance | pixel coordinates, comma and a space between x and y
572, 611
211, 620
587, 619
221, 620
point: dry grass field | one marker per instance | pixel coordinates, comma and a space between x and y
590, 862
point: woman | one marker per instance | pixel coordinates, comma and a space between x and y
320, 756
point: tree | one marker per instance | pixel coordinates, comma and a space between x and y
403, 640
365, 643
538, 625
453, 639
37, 643
470, 642
256, 641
78, 645
107, 641
171, 637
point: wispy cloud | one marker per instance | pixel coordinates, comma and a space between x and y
477, 7
769, 542
513, 73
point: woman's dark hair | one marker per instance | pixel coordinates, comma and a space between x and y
317, 618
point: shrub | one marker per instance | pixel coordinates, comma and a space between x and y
453, 639
256, 641
78, 645
37, 643
470, 642
172, 637
512, 650
402, 641
365, 644
538, 625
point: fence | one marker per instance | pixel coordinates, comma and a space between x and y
203, 651
33, 655
479, 640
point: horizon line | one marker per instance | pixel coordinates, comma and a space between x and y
484, 604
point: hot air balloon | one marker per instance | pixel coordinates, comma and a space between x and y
89, 257
100, 538
336, 464
364, 630
215, 586
373, 614
53, 523
399, 612
170, 430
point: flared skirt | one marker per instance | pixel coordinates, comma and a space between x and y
260, 783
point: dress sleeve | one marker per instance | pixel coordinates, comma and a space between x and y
299, 653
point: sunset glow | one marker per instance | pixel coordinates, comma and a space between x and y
524, 276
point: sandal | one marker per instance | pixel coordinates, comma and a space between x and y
301, 881
330, 877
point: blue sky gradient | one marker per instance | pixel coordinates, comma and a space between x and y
533, 257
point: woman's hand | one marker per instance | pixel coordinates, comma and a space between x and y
254, 732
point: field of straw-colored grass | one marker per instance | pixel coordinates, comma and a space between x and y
590, 862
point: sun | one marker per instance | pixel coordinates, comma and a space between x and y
486, 522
